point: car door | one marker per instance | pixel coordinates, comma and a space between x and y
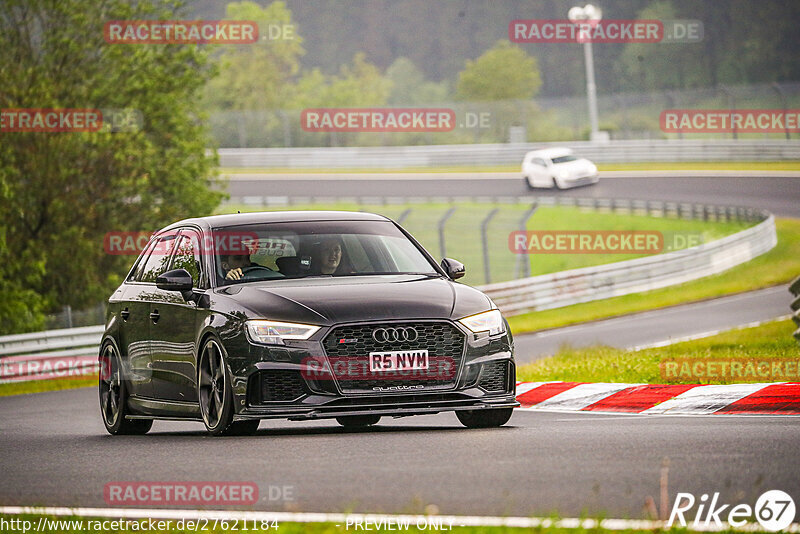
173, 328
131, 304
540, 174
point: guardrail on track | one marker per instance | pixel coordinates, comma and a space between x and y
65, 353
632, 276
508, 154
794, 288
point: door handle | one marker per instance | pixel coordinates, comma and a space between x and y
154, 315
125, 314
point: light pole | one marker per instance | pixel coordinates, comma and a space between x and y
592, 15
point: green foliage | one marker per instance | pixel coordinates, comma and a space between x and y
409, 87
767, 342
504, 72
359, 84
256, 76
62, 192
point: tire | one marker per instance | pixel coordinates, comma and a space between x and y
556, 185
528, 183
484, 418
358, 421
113, 393
215, 393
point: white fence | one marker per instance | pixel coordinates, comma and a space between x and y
507, 154
65, 353
633, 276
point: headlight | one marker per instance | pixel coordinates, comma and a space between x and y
563, 175
273, 332
490, 321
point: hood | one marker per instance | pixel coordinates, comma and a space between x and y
579, 167
326, 301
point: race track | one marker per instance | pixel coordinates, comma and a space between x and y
778, 194
56, 452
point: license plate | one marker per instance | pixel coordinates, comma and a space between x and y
398, 360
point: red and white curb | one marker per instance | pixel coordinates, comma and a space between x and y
781, 398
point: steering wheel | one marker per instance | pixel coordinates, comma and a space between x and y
252, 272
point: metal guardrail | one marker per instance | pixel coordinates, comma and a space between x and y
632, 276
794, 289
508, 154
64, 353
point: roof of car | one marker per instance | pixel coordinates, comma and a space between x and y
235, 219
550, 152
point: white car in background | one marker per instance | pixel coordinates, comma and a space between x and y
557, 168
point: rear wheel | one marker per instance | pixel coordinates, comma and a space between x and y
358, 421
484, 418
529, 183
114, 396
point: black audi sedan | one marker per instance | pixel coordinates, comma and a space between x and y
232, 319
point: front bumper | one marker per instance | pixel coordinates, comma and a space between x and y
398, 406
275, 382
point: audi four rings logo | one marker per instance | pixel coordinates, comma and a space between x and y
389, 335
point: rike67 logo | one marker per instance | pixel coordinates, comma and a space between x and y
774, 511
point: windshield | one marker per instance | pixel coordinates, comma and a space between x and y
314, 249
563, 159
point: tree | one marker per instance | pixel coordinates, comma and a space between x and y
653, 66
62, 192
409, 87
504, 72
256, 76
359, 84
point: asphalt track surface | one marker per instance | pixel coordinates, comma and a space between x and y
660, 326
778, 194
56, 452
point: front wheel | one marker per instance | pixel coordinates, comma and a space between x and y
215, 393
484, 418
114, 397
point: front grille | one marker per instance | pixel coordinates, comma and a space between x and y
494, 376
349, 359
277, 385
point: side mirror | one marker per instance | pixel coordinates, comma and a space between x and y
175, 280
454, 269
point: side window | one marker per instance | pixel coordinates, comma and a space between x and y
539, 161
187, 255
136, 273
158, 261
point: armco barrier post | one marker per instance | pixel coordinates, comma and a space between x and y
442, 222
794, 288
487, 277
523, 259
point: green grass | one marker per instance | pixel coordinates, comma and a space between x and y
680, 165
770, 341
778, 266
463, 242
56, 384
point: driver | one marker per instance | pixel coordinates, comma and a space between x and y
234, 263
